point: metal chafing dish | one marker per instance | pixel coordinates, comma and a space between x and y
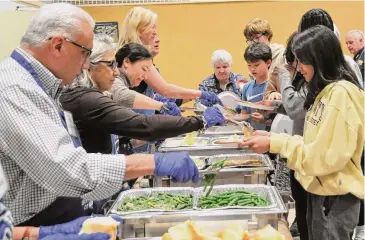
203, 147
222, 130
155, 224
233, 175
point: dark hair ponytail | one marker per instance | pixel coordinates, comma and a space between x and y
134, 52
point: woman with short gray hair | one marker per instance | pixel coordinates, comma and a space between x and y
222, 79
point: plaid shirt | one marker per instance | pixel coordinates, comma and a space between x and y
211, 84
36, 151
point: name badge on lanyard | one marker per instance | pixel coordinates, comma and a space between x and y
70, 125
3, 183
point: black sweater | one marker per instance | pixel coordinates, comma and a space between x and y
96, 116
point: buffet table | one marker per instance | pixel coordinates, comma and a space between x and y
204, 150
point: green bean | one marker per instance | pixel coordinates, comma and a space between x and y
157, 201
211, 186
232, 198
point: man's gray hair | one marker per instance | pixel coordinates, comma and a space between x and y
221, 56
101, 45
53, 19
356, 32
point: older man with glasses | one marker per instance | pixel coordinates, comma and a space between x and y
48, 171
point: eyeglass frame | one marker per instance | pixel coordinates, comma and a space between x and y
88, 50
255, 39
113, 65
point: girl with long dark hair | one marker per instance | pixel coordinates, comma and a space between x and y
327, 159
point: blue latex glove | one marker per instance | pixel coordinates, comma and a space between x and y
72, 227
160, 98
209, 99
94, 236
213, 116
6, 228
238, 109
171, 109
178, 165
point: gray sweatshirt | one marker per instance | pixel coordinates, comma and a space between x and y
292, 102
121, 93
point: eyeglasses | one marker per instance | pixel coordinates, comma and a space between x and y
88, 50
111, 64
255, 39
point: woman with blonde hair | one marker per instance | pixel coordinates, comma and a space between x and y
140, 26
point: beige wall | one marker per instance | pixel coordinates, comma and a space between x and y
191, 32
13, 25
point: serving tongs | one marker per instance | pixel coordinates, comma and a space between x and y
247, 129
210, 175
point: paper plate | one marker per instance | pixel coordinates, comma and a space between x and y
229, 99
255, 106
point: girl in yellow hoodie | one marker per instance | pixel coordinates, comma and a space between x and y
326, 160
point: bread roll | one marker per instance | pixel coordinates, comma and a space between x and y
100, 224
268, 233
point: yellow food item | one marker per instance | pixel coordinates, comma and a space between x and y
100, 224
268, 233
235, 232
242, 162
247, 131
234, 138
190, 138
190, 231
198, 162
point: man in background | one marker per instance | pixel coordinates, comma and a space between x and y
355, 44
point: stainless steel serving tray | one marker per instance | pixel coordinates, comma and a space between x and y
179, 142
261, 190
266, 162
134, 193
170, 145
223, 130
204, 215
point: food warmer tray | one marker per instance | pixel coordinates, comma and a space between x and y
182, 191
206, 149
222, 130
241, 175
260, 190
155, 224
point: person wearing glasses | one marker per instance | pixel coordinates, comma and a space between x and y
97, 115
259, 30
48, 171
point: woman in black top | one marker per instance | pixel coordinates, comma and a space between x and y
97, 116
